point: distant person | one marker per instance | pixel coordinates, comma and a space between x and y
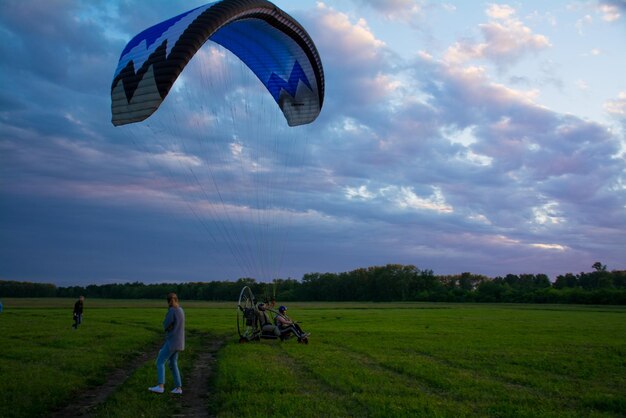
78, 312
288, 326
0, 306
174, 327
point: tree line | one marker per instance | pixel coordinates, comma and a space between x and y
392, 282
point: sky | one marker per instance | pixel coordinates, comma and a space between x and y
483, 137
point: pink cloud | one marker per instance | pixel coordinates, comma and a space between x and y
506, 40
354, 43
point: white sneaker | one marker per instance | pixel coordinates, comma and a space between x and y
177, 391
156, 389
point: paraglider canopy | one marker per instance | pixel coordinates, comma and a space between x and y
269, 41
219, 144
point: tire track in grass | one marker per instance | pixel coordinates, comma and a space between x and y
362, 402
262, 377
462, 372
426, 384
193, 402
476, 373
319, 386
195, 398
429, 388
87, 401
559, 390
509, 383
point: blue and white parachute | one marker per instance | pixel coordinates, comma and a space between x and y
219, 146
269, 41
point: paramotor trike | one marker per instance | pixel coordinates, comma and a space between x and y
250, 318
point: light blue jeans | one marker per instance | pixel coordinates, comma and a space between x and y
172, 358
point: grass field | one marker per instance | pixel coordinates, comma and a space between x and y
377, 360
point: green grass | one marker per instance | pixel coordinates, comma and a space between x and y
377, 360
44, 362
132, 398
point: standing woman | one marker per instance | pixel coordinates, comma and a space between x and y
174, 326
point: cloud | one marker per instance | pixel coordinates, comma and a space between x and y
506, 40
359, 66
474, 157
54, 33
612, 10
560, 158
616, 107
548, 214
406, 198
430, 162
401, 198
557, 247
500, 11
403, 10
353, 42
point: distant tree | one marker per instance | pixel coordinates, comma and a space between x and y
598, 266
569, 281
10, 288
466, 283
391, 282
599, 279
541, 281
496, 290
619, 278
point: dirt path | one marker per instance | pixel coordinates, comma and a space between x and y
194, 401
196, 385
89, 399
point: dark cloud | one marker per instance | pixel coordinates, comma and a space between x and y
425, 162
53, 41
